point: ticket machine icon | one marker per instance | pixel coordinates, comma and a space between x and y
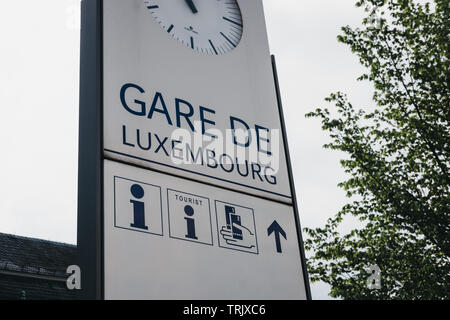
236, 227
232, 218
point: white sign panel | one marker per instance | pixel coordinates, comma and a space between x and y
171, 238
189, 90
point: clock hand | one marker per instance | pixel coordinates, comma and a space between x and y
192, 6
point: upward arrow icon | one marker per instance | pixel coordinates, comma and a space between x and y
277, 230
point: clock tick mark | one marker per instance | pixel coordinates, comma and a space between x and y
212, 45
232, 21
228, 39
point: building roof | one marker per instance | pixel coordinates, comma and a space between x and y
34, 268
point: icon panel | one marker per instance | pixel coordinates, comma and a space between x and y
137, 206
236, 227
189, 217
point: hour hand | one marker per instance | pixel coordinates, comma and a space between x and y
192, 6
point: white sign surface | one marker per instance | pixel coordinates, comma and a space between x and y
171, 238
155, 85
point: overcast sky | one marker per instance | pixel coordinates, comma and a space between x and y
39, 102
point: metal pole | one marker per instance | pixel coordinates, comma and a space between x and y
90, 158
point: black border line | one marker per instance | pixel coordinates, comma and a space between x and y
291, 181
193, 172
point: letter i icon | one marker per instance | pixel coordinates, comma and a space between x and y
138, 207
190, 222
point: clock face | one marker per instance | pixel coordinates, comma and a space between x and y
207, 26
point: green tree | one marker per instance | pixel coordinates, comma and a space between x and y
397, 158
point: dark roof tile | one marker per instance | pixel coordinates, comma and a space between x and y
23, 258
35, 255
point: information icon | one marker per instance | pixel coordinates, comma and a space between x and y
189, 217
137, 206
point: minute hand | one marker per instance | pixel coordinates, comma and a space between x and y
192, 6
